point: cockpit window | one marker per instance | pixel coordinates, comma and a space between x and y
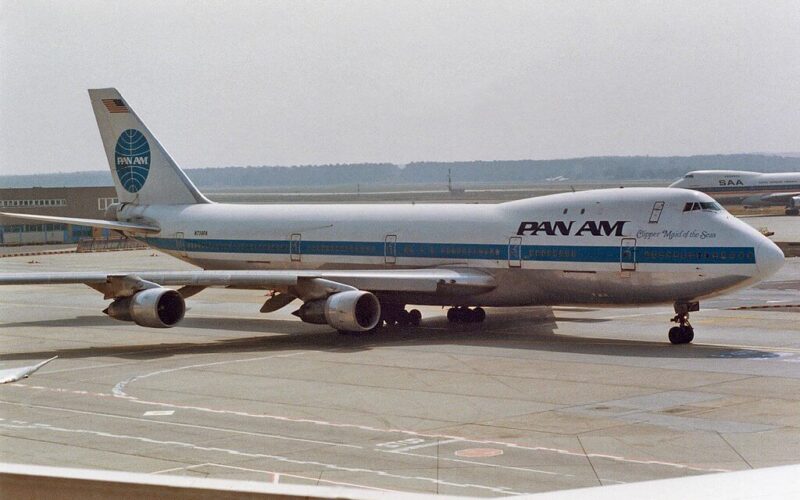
703, 205
710, 205
688, 176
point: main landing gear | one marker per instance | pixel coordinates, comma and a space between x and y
683, 333
396, 314
466, 315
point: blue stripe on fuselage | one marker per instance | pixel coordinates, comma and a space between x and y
468, 251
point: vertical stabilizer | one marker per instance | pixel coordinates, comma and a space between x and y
142, 170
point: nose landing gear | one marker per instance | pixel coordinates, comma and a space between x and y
683, 333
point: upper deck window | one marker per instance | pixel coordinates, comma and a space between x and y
658, 207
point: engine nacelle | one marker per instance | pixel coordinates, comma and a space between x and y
354, 311
754, 201
154, 307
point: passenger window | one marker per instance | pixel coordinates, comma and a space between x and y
658, 207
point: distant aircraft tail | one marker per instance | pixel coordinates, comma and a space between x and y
142, 170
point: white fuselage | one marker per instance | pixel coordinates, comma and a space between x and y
751, 188
592, 247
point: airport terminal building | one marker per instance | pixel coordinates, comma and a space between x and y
88, 202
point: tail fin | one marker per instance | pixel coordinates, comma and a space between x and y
142, 170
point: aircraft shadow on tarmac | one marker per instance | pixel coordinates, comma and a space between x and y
524, 328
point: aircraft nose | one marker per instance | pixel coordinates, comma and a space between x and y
769, 258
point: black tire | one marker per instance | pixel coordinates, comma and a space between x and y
688, 334
415, 317
403, 318
479, 314
675, 335
452, 315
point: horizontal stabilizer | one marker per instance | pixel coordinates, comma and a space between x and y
105, 224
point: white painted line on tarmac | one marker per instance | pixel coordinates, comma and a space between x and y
159, 413
180, 424
42, 427
483, 464
119, 392
425, 445
119, 389
275, 475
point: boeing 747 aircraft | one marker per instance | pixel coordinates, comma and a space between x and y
754, 189
357, 266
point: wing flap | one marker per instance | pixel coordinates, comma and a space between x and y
105, 224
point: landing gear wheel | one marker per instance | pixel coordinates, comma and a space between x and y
683, 333
396, 314
403, 318
466, 315
453, 315
414, 317
675, 335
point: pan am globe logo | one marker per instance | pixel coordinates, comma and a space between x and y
132, 160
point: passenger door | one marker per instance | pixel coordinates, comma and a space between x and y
390, 249
294, 248
627, 254
515, 251
180, 244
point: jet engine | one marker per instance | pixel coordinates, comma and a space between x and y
354, 311
153, 307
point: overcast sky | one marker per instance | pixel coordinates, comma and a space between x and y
286, 83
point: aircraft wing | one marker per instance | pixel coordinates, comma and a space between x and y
780, 197
14, 374
301, 283
105, 224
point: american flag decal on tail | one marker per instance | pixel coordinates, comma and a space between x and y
115, 106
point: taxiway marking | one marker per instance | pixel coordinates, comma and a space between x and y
275, 475
18, 424
119, 391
